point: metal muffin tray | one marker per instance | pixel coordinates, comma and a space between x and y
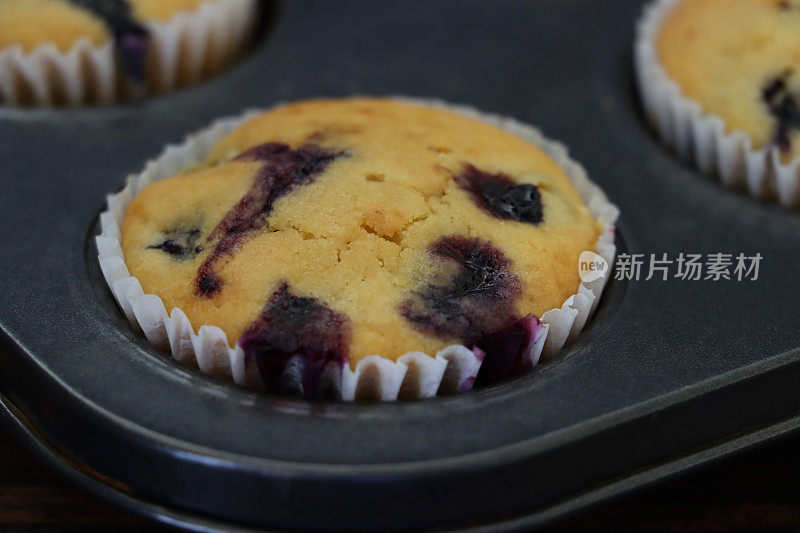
668, 375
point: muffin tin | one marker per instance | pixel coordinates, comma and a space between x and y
669, 374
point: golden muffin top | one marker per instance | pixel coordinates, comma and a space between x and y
30, 23
359, 227
739, 59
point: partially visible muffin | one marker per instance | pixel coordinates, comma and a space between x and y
718, 81
332, 230
149, 42
739, 59
32, 23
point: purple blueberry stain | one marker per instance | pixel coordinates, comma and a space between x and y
131, 49
130, 36
208, 281
507, 350
501, 196
476, 299
282, 171
299, 345
180, 244
476, 306
783, 106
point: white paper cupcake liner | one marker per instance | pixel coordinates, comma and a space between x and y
413, 375
179, 51
701, 138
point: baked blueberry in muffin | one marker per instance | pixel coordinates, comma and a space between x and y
323, 232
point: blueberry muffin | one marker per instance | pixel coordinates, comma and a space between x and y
323, 232
147, 41
739, 60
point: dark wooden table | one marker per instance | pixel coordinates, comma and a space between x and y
758, 489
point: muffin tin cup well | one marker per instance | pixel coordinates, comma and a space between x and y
414, 374
179, 51
702, 138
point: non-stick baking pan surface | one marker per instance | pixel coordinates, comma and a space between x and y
669, 374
